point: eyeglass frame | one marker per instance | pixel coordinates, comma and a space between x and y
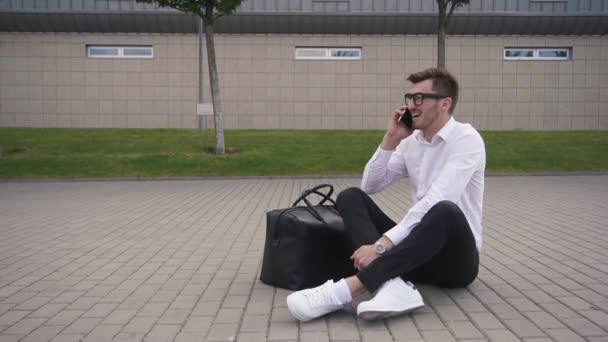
422, 96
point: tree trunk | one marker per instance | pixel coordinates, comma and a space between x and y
441, 28
215, 87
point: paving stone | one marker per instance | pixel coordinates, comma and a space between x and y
281, 315
43, 333
462, 330
206, 309
257, 323
584, 327
523, 328
438, 336
33, 303
376, 336
10, 338
153, 310
257, 337
68, 338
140, 325
501, 335
505, 311
12, 317
342, 331
198, 324
544, 320
162, 333
314, 336
374, 325
103, 333
129, 337
450, 313
428, 321
24, 326
229, 316
486, 320
222, 332
314, 325
65, 317
138, 257
563, 335
174, 316
189, 337
82, 326
100, 310
282, 331
598, 339
48, 310
559, 310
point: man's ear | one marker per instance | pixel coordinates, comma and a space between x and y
447, 103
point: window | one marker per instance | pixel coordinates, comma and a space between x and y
104, 51
547, 54
328, 53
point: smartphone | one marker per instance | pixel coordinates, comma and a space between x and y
406, 118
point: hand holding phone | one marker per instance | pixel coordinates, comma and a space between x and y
406, 118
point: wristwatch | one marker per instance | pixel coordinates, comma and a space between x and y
380, 248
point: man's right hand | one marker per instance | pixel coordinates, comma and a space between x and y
396, 131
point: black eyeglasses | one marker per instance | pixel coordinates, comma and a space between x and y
417, 98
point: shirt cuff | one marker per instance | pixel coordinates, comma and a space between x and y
393, 235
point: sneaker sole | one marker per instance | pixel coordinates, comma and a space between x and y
373, 314
297, 314
303, 318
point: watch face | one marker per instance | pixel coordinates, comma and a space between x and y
380, 249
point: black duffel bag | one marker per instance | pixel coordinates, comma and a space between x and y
306, 245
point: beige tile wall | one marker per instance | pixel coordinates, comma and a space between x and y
47, 81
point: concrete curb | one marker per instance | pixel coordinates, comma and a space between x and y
205, 178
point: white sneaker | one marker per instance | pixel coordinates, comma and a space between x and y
309, 304
392, 298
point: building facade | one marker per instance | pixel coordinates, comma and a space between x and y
301, 64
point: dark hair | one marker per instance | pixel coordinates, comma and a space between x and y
443, 83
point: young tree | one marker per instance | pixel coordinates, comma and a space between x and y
209, 11
444, 17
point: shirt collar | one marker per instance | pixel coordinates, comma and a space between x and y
444, 132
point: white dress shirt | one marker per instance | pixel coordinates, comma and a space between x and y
451, 167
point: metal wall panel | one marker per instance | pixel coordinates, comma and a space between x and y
427, 6
329, 6
475, 6
597, 5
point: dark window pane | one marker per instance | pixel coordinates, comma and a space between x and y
553, 53
519, 53
137, 52
101, 51
345, 53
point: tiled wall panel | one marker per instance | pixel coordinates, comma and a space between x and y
47, 81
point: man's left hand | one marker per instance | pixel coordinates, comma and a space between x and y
364, 256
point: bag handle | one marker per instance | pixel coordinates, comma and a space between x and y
315, 190
303, 197
324, 198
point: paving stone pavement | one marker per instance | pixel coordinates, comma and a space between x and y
179, 261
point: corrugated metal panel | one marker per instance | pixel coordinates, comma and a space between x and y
168, 22
371, 6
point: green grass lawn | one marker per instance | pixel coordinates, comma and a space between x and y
56, 152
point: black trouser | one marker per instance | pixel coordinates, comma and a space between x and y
440, 250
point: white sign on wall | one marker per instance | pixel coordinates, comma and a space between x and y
205, 108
